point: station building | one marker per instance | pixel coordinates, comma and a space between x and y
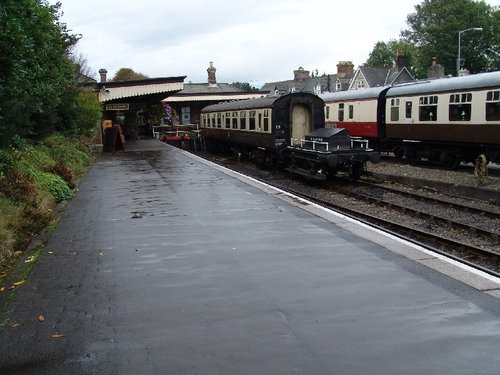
136, 105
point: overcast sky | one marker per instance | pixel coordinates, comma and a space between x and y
255, 41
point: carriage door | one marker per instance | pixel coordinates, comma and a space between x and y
301, 123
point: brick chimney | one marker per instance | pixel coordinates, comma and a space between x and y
401, 60
345, 68
435, 70
212, 80
102, 73
300, 75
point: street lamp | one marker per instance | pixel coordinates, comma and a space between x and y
459, 42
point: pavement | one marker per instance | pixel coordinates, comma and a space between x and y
163, 264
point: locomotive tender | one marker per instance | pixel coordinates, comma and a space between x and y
278, 131
445, 120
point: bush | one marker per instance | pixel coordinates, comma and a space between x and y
53, 184
33, 159
18, 143
17, 186
5, 160
35, 218
68, 152
9, 226
32, 179
65, 173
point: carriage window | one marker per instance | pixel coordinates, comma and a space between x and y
266, 120
493, 106
213, 120
428, 108
243, 120
351, 112
460, 107
203, 119
251, 125
228, 120
341, 112
235, 120
408, 107
219, 120
394, 109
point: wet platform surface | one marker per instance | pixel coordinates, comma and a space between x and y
165, 265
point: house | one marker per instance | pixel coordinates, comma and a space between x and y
369, 77
303, 81
187, 104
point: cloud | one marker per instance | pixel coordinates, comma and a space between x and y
249, 40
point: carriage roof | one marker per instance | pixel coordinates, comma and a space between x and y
471, 82
265, 102
364, 93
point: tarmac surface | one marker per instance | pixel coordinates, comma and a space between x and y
163, 264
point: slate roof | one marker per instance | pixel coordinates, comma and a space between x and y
204, 88
196, 92
328, 83
377, 77
242, 104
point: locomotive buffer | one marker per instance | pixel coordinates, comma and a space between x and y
327, 151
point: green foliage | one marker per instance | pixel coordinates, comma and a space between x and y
8, 220
381, 56
18, 143
68, 152
33, 159
35, 69
6, 240
88, 113
128, 74
34, 218
53, 184
51, 165
17, 186
5, 161
245, 86
434, 29
65, 173
385, 54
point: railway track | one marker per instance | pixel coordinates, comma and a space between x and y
442, 230
481, 226
462, 229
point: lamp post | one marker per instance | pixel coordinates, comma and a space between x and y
459, 45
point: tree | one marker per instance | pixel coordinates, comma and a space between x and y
434, 29
245, 86
384, 54
381, 56
127, 74
35, 70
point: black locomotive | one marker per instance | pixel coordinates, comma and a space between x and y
285, 131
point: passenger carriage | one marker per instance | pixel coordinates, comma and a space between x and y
276, 131
446, 120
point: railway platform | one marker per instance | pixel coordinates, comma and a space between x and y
165, 264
